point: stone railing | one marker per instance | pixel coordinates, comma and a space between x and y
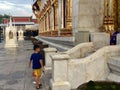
69, 73
80, 50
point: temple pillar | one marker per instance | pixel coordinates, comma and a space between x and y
109, 25
52, 19
69, 14
41, 26
44, 24
62, 13
47, 21
59, 17
56, 15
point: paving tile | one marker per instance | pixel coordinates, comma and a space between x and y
14, 71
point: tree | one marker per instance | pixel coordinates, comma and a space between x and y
5, 16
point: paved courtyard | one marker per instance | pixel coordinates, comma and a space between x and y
14, 71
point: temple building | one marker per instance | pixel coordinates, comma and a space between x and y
55, 18
21, 21
66, 17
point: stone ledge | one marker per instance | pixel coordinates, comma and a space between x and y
60, 57
50, 50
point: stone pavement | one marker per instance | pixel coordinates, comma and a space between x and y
14, 71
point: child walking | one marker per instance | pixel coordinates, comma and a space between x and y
37, 65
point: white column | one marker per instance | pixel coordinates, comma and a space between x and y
62, 12
59, 79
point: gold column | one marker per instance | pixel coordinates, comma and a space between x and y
47, 21
105, 7
52, 18
44, 23
56, 15
69, 13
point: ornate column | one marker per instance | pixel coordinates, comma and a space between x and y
109, 19
105, 7
52, 20
44, 23
47, 21
59, 16
111, 8
62, 13
40, 25
69, 13
56, 15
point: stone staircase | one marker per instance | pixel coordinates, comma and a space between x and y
114, 66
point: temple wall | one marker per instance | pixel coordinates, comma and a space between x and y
87, 15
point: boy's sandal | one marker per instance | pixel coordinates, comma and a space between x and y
37, 87
40, 85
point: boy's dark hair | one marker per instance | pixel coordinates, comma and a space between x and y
35, 47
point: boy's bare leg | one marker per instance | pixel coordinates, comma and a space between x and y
37, 81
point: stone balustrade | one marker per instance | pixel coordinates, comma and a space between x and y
80, 50
59, 79
68, 73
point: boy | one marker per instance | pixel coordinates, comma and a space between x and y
37, 65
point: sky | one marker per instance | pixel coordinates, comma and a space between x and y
16, 7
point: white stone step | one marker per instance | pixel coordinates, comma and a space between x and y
114, 65
113, 77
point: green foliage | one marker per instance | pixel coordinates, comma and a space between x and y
3, 17
100, 86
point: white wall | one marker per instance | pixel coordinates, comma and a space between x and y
87, 15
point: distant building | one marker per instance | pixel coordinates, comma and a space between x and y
21, 21
26, 23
